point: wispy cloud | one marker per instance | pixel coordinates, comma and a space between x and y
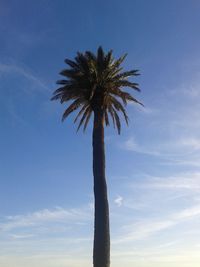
131, 145
10, 69
18, 236
119, 201
184, 181
191, 89
29, 84
184, 150
144, 229
48, 235
43, 216
146, 110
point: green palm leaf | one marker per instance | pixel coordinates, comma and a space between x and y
96, 82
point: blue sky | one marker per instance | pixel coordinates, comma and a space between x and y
153, 167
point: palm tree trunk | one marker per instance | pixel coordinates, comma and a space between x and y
101, 250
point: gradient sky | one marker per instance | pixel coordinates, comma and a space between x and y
153, 167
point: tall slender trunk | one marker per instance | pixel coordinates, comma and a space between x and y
101, 250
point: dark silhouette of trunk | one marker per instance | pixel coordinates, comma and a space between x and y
101, 250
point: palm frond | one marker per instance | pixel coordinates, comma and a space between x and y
80, 112
124, 96
85, 114
64, 82
100, 56
117, 120
89, 113
118, 106
106, 118
119, 61
110, 110
125, 83
108, 58
96, 80
76, 104
82, 60
127, 74
91, 56
71, 63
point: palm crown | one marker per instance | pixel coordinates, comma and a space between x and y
96, 82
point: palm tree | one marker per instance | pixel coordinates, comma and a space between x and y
94, 84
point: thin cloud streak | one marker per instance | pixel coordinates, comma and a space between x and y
43, 216
184, 181
182, 151
181, 146
132, 145
21, 71
145, 229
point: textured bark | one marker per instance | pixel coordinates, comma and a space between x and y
101, 250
